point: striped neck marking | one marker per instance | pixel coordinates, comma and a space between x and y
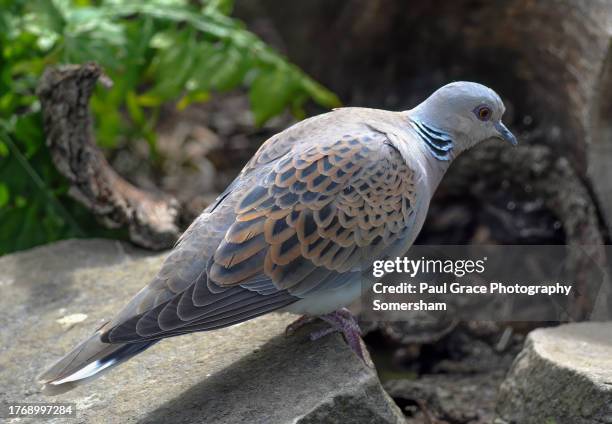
440, 144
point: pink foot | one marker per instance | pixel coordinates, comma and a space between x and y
343, 321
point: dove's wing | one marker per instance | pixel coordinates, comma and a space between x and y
298, 220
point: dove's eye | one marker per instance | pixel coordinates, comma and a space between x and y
483, 113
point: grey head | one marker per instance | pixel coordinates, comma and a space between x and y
458, 116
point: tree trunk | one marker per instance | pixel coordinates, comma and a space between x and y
550, 61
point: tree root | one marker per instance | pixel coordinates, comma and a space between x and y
64, 93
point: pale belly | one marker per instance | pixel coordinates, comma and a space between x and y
327, 301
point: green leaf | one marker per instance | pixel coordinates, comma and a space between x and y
192, 97
221, 6
173, 66
110, 125
231, 70
4, 195
4, 152
149, 100
209, 59
47, 16
34, 176
320, 94
297, 106
270, 93
134, 108
27, 234
28, 130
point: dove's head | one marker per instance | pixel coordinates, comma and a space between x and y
466, 113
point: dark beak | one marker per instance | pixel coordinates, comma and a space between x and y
505, 134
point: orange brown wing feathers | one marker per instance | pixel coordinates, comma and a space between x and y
294, 225
326, 206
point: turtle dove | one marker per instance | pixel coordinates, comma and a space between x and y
299, 227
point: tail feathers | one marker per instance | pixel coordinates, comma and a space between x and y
87, 361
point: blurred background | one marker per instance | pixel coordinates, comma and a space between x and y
197, 86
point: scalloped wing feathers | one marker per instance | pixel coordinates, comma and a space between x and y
307, 211
328, 205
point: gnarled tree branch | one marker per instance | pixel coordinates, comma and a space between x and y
64, 93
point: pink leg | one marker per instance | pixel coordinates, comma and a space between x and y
343, 321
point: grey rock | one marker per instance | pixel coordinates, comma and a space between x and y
562, 376
450, 398
54, 296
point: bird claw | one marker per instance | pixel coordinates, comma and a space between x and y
316, 335
297, 324
341, 321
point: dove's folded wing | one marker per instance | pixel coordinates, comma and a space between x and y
300, 219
